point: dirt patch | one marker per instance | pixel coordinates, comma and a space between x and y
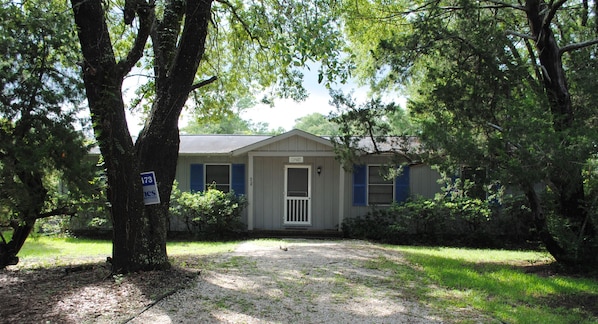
298, 281
82, 293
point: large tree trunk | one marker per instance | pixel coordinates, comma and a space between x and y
567, 177
103, 83
37, 194
139, 241
158, 143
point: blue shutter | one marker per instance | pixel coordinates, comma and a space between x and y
238, 179
359, 185
196, 182
402, 185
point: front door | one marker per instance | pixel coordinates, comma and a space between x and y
297, 195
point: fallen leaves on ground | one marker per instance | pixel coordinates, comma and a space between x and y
85, 292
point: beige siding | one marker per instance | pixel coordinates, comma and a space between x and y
268, 183
268, 186
423, 181
294, 144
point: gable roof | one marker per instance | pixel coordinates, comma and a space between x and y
217, 144
235, 145
283, 136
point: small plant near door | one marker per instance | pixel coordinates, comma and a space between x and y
209, 214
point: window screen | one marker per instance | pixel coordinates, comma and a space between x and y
380, 190
218, 175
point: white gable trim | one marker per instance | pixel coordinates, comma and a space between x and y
294, 132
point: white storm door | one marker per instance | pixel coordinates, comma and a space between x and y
297, 199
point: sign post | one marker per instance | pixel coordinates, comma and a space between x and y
150, 188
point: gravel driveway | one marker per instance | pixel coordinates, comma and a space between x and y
293, 281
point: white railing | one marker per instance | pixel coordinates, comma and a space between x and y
297, 210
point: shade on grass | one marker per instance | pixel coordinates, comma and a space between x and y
499, 283
40, 251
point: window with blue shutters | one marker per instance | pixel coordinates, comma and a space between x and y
223, 177
371, 187
380, 189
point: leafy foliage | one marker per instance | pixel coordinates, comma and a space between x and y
317, 124
230, 124
43, 165
501, 86
209, 214
258, 48
375, 122
462, 221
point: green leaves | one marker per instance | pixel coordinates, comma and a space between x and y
39, 99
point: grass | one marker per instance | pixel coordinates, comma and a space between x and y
510, 286
41, 251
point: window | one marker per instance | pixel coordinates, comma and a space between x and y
218, 174
476, 180
226, 176
380, 189
370, 187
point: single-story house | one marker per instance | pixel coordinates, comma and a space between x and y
293, 180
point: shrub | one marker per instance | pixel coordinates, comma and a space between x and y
445, 220
210, 213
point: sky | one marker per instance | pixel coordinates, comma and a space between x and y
285, 111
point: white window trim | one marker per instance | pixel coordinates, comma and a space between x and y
230, 175
368, 186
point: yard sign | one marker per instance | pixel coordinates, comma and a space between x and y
150, 188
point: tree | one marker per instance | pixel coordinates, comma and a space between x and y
503, 86
38, 142
211, 51
232, 124
316, 123
373, 127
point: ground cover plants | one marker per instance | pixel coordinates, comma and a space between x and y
66, 280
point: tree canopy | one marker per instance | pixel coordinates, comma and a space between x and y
40, 94
499, 85
317, 124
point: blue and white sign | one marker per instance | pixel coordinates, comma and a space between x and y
150, 188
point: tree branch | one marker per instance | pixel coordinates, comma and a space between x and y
576, 46
204, 83
524, 36
146, 14
554, 7
58, 211
501, 4
243, 22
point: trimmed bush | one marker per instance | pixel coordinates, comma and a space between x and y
209, 214
459, 221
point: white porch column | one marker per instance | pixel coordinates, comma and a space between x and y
341, 197
250, 193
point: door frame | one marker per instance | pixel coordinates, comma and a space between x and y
300, 204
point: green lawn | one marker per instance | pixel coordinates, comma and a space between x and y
511, 286
43, 251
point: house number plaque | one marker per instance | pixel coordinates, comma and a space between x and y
295, 159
